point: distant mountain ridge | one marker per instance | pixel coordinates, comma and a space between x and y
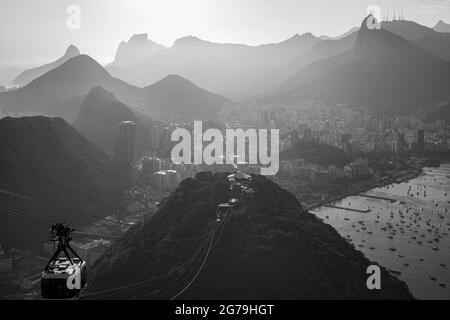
383, 71
31, 74
98, 117
77, 76
441, 26
345, 34
137, 50
321, 50
174, 96
224, 68
411, 30
426, 38
74, 77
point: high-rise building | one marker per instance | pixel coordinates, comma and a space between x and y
165, 143
126, 142
155, 137
294, 137
307, 134
421, 140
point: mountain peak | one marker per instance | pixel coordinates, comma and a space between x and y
72, 51
138, 37
99, 93
441, 26
138, 49
177, 95
173, 81
308, 35
31, 74
82, 61
98, 116
189, 41
174, 77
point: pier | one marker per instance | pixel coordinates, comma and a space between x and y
348, 209
391, 200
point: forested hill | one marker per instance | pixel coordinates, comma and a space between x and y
270, 249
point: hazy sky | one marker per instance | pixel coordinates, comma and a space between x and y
36, 31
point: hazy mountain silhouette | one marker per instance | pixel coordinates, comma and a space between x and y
137, 50
441, 26
321, 50
50, 148
67, 109
175, 96
345, 34
79, 75
422, 36
411, 30
223, 68
98, 117
75, 77
272, 249
383, 70
31, 74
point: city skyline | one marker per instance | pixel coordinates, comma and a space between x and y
207, 149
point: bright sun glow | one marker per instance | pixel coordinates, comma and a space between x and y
162, 19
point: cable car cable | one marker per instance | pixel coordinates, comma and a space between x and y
59, 205
59, 186
213, 242
144, 282
22, 215
56, 204
186, 265
199, 270
165, 290
47, 223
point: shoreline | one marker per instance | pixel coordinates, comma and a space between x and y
415, 279
378, 184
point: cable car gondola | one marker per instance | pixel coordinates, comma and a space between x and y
222, 211
63, 277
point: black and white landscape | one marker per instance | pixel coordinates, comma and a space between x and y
358, 207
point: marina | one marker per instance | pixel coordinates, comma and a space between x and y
407, 230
